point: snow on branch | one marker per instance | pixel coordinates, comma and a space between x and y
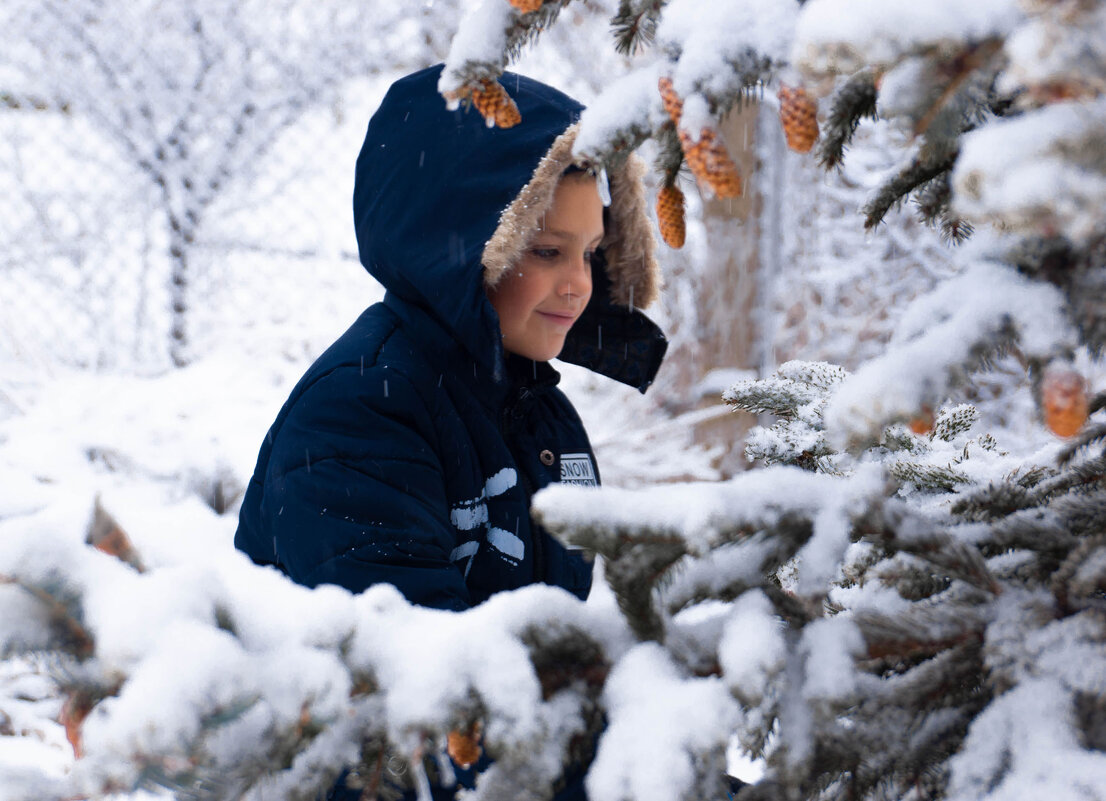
840, 37
1020, 173
229, 677
940, 338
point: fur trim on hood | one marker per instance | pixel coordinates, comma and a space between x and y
628, 243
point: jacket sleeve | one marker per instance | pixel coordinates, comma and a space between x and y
354, 493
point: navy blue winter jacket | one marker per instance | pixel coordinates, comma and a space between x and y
409, 451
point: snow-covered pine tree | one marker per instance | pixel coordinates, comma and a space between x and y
924, 619
873, 635
1018, 78
939, 629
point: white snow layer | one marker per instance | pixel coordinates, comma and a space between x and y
481, 38
633, 100
938, 333
752, 651
709, 37
659, 724
1050, 50
1016, 746
702, 514
842, 36
1040, 173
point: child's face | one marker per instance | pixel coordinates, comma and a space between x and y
540, 298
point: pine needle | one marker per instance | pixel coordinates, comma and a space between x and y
853, 102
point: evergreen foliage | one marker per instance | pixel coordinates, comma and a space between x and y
635, 25
877, 613
941, 618
854, 101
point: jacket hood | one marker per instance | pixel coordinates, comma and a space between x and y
443, 205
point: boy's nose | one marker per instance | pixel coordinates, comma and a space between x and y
577, 278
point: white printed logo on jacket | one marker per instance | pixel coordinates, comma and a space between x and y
472, 514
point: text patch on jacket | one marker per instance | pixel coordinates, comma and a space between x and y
576, 468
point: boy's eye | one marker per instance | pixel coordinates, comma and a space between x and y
546, 254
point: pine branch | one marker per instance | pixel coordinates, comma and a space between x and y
670, 154
994, 501
918, 172
795, 443
749, 72
819, 375
854, 101
921, 631
914, 582
1080, 580
928, 477
1034, 529
932, 200
791, 609
563, 655
524, 29
961, 69
63, 606
931, 705
897, 437
1076, 475
632, 573
896, 528
635, 25
954, 421
1088, 437
724, 573
779, 396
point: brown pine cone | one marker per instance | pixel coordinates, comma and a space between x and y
922, 422
495, 105
1064, 401
799, 116
526, 6
670, 216
672, 102
710, 163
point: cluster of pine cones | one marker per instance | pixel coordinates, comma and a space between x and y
711, 164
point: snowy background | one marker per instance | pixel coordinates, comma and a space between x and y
93, 412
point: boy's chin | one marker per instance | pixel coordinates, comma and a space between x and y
538, 354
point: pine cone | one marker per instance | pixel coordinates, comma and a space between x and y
922, 422
1064, 401
710, 163
672, 102
526, 6
670, 216
464, 746
799, 115
495, 105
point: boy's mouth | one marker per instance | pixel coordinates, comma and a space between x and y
565, 319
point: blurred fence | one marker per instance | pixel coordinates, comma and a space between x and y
86, 272
174, 173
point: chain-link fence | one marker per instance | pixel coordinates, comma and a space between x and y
175, 172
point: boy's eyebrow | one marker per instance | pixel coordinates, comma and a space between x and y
568, 234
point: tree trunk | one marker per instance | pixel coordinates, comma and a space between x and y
730, 326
